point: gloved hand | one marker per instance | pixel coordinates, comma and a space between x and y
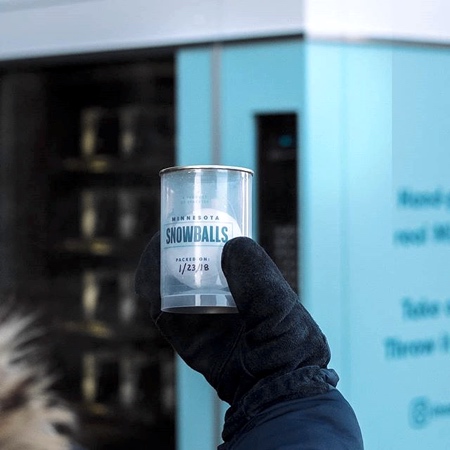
272, 350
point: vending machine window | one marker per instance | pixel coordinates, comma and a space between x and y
277, 191
82, 145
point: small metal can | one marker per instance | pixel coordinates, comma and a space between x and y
202, 208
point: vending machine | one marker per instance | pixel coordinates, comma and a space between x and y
82, 142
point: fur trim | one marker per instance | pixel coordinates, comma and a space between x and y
30, 413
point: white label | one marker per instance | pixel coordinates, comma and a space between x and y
193, 246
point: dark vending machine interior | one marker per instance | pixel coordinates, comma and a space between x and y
277, 191
82, 145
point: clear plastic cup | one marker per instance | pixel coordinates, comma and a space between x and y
202, 208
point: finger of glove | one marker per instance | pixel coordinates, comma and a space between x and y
257, 285
274, 317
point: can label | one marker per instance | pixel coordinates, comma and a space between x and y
193, 245
186, 234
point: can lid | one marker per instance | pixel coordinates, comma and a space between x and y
205, 167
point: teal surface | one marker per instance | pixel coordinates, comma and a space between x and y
259, 78
193, 107
195, 419
322, 195
262, 78
251, 79
377, 231
374, 216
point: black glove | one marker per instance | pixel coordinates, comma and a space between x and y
271, 351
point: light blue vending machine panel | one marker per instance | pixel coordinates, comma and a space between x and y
376, 239
220, 92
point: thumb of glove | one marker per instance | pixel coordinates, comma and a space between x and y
280, 334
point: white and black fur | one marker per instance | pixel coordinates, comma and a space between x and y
31, 414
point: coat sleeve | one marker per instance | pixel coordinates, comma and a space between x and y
320, 422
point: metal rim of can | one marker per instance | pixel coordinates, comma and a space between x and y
205, 167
